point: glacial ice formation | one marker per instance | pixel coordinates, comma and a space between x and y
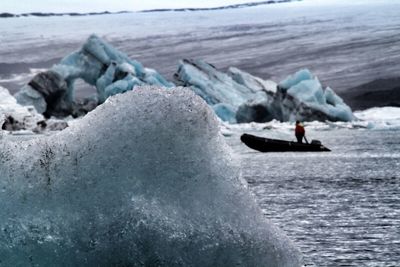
298, 97
14, 116
254, 83
235, 96
256, 111
219, 89
98, 64
145, 179
302, 97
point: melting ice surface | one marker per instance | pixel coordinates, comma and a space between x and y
307, 89
237, 96
146, 179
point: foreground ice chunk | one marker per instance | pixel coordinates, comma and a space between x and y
145, 179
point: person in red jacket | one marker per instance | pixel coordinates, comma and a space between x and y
299, 132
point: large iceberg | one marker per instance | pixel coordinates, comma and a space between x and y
225, 92
237, 96
298, 97
96, 63
302, 97
146, 179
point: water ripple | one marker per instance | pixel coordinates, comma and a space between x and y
341, 208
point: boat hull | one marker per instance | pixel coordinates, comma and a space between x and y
273, 145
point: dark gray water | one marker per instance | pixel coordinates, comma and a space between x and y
341, 208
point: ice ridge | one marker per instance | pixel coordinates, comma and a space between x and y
144, 179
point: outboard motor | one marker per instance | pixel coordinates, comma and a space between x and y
316, 142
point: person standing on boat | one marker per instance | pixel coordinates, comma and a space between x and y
299, 132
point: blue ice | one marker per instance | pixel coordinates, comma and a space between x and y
140, 181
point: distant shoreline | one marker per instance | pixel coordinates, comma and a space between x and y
71, 14
77, 14
244, 5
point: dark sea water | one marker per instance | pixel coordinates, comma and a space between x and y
341, 208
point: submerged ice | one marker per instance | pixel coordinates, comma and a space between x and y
146, 179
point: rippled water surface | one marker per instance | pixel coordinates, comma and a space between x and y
341, 208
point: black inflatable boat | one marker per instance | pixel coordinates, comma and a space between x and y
273, 145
